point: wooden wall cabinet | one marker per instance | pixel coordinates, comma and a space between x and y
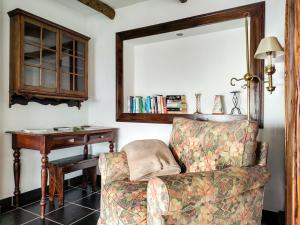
48, 62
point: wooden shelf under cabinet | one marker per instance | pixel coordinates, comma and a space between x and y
48, 62
168, 118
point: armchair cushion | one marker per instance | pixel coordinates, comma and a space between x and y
150, 158
113, 166
184, 192
124, 201
205, 145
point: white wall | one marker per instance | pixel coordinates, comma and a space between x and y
33, 115
102, 86
203, 63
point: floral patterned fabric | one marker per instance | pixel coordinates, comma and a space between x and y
224, 193
113, 166
243, 209
186, 191
205, 146
124, 202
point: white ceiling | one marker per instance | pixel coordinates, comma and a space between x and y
86, 11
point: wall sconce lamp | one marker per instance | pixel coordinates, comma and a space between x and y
269, 48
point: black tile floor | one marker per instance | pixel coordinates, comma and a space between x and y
81, 207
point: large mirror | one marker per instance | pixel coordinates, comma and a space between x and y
188, 56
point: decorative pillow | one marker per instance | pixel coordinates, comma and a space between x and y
149, 158
204, 145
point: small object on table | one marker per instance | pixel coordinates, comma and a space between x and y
235, 101
62, 128
197, 103
218, 105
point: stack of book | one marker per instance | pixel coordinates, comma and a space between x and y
157, 104
176, 104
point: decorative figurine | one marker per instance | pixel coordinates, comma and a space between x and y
235, 101
218, 105
197, 103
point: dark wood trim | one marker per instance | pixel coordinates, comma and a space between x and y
168, 118
255, 11
19, 93
292, 113
101, 7
25, 13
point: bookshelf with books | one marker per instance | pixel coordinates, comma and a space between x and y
157, 104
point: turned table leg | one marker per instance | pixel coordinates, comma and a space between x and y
111, 146
17, 176
44, 178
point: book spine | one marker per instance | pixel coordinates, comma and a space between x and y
148, 100
152, 105
134, 104
158, 104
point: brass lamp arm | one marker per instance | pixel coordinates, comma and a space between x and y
234, 80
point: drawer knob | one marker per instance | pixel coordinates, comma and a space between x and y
102, 136
72, 140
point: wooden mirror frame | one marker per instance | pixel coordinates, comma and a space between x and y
255, 11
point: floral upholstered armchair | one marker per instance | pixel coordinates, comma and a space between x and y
222, 180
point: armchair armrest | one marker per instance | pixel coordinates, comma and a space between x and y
113, 166
183, 192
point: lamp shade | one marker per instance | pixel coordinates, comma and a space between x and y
269, 44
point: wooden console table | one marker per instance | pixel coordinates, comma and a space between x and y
52, 140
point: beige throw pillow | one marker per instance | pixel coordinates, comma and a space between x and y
149, 158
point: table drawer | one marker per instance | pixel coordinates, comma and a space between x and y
101, 137
67, 141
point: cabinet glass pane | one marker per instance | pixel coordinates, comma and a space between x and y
31, 76
49, 59
31, 54
32, 33
79, 66
67, 64
67, 82
67, 45
49, 39
79, 49
79, 83
48, 79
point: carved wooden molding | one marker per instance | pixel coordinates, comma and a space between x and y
100, 7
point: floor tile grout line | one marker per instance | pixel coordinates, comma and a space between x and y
30, 203
82, 218
9, 211
83, 206
54, 221
33, 213
29, 221
85, 189
81, 198
60, 207
44, 219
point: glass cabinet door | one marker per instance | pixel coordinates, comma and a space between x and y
40, 57
72, 65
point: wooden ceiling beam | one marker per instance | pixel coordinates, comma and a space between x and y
100, 7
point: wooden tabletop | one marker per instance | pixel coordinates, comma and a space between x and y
52, 132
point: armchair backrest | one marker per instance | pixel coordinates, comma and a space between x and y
205, 145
